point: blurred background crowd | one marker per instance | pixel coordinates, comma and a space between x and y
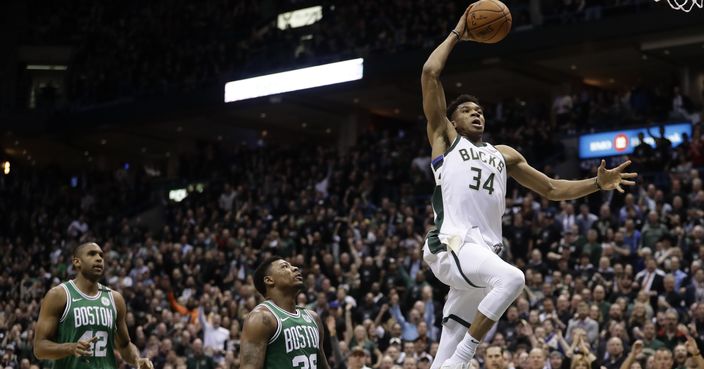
617, 268
602, 273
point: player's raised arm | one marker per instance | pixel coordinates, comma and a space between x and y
47, 325
259, 327
556, 189
440, 130
123, 344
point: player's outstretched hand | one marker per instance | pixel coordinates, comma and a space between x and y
82, 348
144, 363
612, 179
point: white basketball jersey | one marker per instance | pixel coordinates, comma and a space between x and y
469, 197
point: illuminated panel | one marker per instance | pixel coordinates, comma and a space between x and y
299, 18
294, 80
599, 145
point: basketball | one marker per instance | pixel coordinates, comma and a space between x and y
488, 21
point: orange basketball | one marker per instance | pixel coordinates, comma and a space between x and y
488, 21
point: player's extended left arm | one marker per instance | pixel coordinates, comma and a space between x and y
559, 189
128, 351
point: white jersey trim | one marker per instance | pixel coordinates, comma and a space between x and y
68, 302
112, 301
279, 324
83, 294
297, 315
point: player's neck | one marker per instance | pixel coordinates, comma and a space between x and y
85, 285
283, 300
477, 140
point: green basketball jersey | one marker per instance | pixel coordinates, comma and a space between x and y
84, 317
296, 342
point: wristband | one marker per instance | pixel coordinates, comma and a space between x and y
457, 34
596, 180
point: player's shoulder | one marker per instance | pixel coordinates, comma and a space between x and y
511, 155
261, 318
55, 299
57, 292
259, 310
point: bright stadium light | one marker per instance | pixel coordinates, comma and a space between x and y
178, 195
299, 79
299, 18
46, 67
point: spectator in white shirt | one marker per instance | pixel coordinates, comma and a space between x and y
214, 336
78, 227
227, 198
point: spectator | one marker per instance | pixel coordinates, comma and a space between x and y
214, 335
653, 230
356, 359
410, 326
536, 359
227, 198
671, 333
585, 219
614, 357
651, 280
643, 155
583, 321
650, 342
78, 227
198, 359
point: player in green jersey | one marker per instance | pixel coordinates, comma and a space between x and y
82, 322
277, 334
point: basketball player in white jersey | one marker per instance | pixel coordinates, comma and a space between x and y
468, 202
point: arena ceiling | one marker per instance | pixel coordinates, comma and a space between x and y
391, 92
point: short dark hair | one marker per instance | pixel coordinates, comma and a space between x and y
261, 272
77, 250
459, 101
